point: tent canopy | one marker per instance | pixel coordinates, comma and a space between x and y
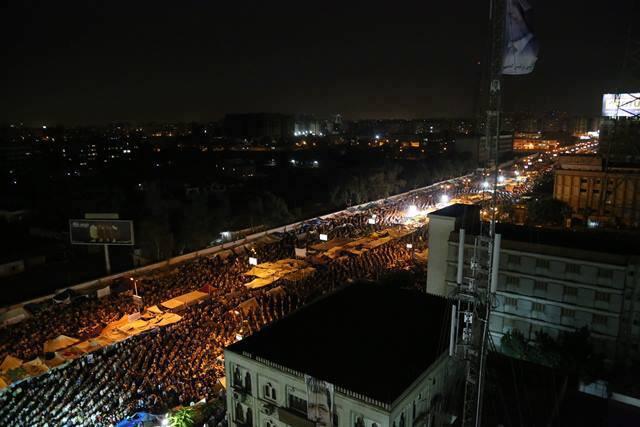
58, 343
10, 362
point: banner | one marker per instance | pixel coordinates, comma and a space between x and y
301, 252
104, 292
521, 46
320, 401
100, 232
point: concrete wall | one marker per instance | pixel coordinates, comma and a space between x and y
440, 227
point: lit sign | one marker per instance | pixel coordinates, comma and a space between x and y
621, 105
324, 237
253, 261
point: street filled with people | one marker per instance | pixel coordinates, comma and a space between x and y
180, 364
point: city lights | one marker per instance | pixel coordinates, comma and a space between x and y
444, 199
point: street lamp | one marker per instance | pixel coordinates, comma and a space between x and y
444, 199
412, 211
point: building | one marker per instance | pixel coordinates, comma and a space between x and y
620, 139
533, 142
598, 196
307, 125
259, 125
549, 280
366, 356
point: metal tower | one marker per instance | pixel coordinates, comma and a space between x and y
475, 285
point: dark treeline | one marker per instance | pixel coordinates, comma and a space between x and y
181, 199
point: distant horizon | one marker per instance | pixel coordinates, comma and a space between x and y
314, 116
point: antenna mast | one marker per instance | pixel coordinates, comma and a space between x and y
474, 294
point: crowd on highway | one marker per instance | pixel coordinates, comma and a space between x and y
180, 363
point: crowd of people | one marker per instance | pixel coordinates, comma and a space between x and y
179, 364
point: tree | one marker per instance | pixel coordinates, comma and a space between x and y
547, 211
155, 238
184, 417
514, 344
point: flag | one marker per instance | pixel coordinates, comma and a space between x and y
521, 45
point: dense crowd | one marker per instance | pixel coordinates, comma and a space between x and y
179, 364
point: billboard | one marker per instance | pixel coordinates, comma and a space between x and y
320, 403
100, 232
621, 105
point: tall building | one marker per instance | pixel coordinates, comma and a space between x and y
549, 280
598, 196
366, 356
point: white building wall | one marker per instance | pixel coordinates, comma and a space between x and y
542, 293
440, 227
436, 381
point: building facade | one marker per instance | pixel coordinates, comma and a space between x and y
264, 394
341, 362
598, 196
551, 281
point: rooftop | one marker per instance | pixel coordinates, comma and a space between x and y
370, 339
607, 247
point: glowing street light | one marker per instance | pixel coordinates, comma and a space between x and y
485, 184
444, 199
412, 211
500, 178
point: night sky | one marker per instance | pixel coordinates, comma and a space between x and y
90, 62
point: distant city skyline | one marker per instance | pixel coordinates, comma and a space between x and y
90, 64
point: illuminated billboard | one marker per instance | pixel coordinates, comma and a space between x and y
621, 105
100, 232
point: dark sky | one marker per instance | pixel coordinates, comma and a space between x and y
80, 62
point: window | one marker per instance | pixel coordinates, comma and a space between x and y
513, 259
538, 307
542, 263
605, 273
513, 280
583, 190
599, 319
567, 312
583, 180
570, 291
572, 268
297, 404
602, 296
269, 391
539, 286
513, 302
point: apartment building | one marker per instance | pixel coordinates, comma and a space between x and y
551, 281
